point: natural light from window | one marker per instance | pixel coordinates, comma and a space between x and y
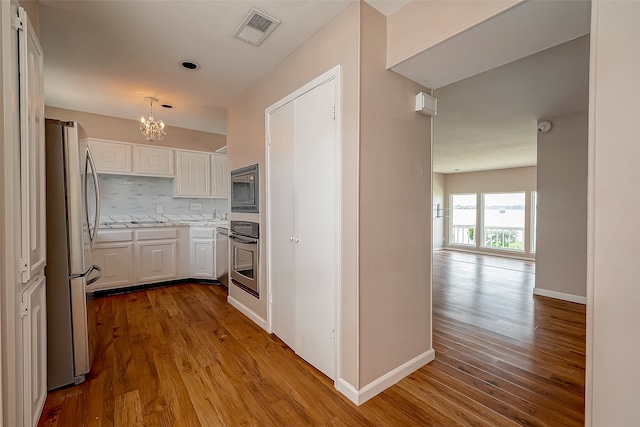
463, 219
534, 219
503, 221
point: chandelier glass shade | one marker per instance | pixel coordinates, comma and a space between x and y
152, 129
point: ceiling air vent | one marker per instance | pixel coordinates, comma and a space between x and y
256, 27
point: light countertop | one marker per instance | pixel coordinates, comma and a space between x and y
160, 220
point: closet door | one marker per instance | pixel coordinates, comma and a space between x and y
316, 225
282, 225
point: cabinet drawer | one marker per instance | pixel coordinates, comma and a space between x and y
105, 236
203, 233
162, 233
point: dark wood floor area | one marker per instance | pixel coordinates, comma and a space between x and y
180, 356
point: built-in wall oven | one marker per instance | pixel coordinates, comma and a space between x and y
244, 246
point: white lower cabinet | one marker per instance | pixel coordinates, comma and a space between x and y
114, 254
203, 252
34, 347
157, 261
156, 253
138, 256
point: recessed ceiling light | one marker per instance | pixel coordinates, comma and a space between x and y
166, 106
189, 65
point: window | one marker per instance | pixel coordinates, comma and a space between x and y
503, 221
534, 219
462, 230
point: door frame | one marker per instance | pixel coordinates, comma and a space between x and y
332, 74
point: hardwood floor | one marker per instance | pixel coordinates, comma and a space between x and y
180, 356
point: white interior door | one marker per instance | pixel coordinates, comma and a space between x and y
32, 168
316, 226
282, 224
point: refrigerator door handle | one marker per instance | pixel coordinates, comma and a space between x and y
96, 221
96, 277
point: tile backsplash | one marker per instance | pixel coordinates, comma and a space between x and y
122, 195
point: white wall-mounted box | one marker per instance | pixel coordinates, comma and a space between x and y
426, 104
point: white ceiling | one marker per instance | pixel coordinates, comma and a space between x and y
103, 57
489, 121
486, 115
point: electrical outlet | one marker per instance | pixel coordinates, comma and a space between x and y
159, 209
195, 206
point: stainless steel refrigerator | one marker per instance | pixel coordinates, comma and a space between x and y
73, 215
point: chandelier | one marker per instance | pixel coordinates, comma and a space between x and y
151, 129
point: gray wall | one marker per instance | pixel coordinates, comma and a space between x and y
561, 259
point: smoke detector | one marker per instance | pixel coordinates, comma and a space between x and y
544, 126
256, 27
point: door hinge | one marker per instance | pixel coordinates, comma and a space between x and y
333, 111
24, 309
270, 298
269, 139
19, 21
333, 337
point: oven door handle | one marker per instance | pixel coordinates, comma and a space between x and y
243, 240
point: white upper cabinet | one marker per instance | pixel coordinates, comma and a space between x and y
221, 176
193, 174
197, 173
152, 161
111, 157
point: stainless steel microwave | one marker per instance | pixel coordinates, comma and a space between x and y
245, 189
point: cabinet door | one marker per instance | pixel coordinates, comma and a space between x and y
32, 157
156, 261
152, 161
34, 343
202, 258
117, 264
111, 157
193, 174
221, 176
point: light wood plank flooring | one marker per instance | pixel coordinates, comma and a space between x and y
181, 356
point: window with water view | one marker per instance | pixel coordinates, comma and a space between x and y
504, 221
463, 219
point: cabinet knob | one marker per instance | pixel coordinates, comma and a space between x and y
291, 238
296, 239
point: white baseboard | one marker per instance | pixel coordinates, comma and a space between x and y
560, 295
249, 313
384, 382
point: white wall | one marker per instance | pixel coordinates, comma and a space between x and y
561, 259
613, 341
438, 196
